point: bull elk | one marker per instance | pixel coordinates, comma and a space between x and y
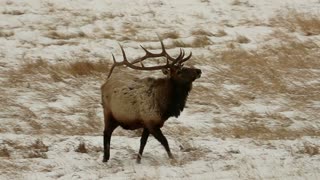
146, 103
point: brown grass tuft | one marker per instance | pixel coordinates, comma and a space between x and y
39, 146
65, 35
171, 35
180, 43
6, 33
242, 39
36, 154
201, 32
310, 149
201, 41
81, 148
236, 2
295, 21
220, 33
4, 152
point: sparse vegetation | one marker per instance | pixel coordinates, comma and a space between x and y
220, 33
201, 32
260, 131
171, 35
77, 68
6, 33
236, 2
201, 41
54, 34
310, 149
242, 39
4, 152
180, 43
295, 21
82, 148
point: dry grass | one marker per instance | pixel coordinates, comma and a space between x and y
6, 33
39, 146
295, 21
287, 71
271, 69
37, 150
310, 149
242, 39
65, 35
236, 2
4, 152
34, 150
57, 71
15, 12
241, 3
220, 33
201, 41
198, 42
260, 131
81, 148
201, 32
171, 35
180, 43
36, 154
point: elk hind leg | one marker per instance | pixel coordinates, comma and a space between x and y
143, 142
157, 133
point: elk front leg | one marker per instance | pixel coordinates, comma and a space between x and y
157, 133
143, 142
110, 126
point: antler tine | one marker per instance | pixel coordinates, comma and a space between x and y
180, 59
115, 63
186, 59
124, 55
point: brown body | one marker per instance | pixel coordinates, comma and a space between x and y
145, 103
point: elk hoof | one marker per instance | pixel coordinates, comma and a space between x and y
105, 160
171, 156
139, 159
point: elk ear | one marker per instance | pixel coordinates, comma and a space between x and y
165, 71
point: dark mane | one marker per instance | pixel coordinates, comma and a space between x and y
177, 100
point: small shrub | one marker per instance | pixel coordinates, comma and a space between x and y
4, 152
82, 148
40, 146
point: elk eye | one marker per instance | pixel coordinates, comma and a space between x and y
179, 72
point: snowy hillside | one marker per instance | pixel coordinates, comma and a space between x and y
254, 113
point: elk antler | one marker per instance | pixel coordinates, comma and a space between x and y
180, 59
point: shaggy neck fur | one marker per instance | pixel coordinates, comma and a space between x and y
177, 97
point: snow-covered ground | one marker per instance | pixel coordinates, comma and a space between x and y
226, 132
